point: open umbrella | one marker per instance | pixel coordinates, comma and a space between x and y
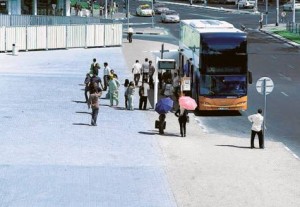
187, 102
164, 105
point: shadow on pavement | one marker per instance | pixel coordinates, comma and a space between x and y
81, 124
228, 145
83, 112
79, 101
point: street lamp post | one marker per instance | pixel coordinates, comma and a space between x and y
277, 13
105, 9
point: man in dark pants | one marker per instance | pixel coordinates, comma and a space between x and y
143, 92
257, 121
86, 89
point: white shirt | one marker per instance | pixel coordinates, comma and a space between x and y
130, 30
257, 120
136, 68
176, 81
146, 89
145, 67
106, 70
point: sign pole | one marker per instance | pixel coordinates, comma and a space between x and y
265, 106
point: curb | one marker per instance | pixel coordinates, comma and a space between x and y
281, 38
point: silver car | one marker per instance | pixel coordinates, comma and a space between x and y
170, 16
160, 8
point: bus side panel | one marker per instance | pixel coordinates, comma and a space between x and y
230, 104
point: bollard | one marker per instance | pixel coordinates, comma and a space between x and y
14, 49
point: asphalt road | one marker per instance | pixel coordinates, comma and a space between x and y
267, 57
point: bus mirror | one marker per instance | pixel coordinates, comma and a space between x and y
249, 77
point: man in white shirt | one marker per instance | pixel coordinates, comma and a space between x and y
257, 121
130, 34
106, 73
136, 70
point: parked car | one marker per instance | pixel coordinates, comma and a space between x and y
245, 3
170, 16
289, 6
144, 10
160, 8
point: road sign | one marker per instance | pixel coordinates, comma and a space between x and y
264, 84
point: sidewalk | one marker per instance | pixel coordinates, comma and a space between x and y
50, 156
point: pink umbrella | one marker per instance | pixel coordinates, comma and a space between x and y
187, 103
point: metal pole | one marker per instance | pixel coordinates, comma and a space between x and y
128, 13
155, 83
105, 9
294, 13
265, 107
277, 13
152, 19
162, 51
267, 2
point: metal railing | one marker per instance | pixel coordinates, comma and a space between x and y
27, 20
293, 27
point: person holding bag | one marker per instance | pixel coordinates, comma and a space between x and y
182, 115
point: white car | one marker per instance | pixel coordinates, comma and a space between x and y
245, 3
160, 8
289, 6
144, 10
170, 16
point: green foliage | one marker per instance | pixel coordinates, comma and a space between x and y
289, 35
84, 5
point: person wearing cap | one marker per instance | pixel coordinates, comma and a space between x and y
257, 121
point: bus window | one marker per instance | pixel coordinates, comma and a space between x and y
223, 85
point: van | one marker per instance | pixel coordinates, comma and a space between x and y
245, 3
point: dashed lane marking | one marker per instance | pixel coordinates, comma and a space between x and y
290, 66
284, 93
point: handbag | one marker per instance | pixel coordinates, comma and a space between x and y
187, 119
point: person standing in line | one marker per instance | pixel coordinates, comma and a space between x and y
176, 85
87, 81
92, 66
168, 88
143, 92
161, 123
113, 85
145, 69
130, 34
136, 70
257, 121
261, 19
106, 73
186, 68
96, 69
130, 93
151, 73
182, 115
96, 79
93, 103
126, 84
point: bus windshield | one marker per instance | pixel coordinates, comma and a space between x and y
222, 43
218, 85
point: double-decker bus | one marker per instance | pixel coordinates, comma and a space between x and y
213, 54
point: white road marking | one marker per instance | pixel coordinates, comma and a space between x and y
284, 93
208, 16
284, 77
288, 149
290, 66
274, 57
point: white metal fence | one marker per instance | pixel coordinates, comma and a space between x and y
60, 36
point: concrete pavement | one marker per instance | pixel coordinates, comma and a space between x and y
50, 156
